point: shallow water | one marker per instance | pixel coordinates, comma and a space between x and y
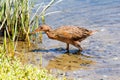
102, 48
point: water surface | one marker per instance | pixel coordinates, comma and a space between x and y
103, 47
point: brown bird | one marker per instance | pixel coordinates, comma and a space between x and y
68, 34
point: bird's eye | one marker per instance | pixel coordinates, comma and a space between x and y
41, 28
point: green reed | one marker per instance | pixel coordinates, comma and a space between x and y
15, 19
13, 69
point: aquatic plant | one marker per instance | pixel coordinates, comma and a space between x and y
13, 69
16, 22
14, 18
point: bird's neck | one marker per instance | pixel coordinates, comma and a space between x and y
50, 34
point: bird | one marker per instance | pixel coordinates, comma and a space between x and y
68, 34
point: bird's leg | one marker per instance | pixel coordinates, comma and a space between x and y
76, 44
67, 47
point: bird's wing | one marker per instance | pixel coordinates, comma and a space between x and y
73, 33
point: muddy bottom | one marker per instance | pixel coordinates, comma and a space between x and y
53, 58
67, 62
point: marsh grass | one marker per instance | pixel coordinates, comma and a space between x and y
13, 69
14, 18
16, 24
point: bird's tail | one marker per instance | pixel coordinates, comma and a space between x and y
95, 31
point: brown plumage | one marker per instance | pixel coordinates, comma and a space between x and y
68, 34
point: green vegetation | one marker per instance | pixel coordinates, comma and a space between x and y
14, 17
12, 69
15, 22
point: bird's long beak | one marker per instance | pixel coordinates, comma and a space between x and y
36, 30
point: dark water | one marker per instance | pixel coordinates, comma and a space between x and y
103, 47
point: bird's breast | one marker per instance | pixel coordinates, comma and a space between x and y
51, 35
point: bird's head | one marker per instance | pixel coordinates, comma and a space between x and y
44, 28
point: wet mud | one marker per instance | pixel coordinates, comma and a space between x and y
67, 62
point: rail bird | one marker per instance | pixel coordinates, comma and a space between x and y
68, 34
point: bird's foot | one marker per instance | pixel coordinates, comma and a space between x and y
67, 52
80, 50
